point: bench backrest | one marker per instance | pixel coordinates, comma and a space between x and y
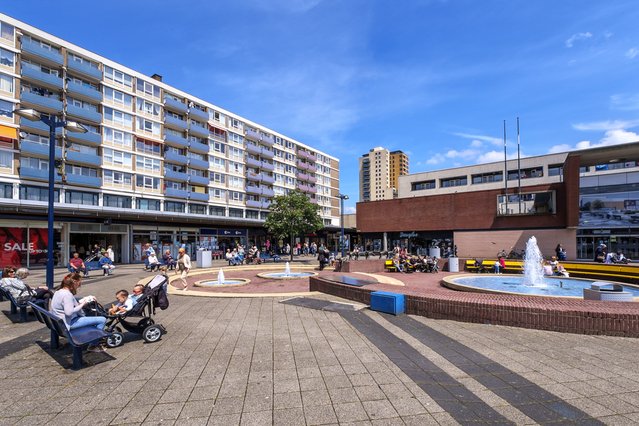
50, 320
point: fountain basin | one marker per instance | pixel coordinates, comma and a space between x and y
514, 284
286, 275
228, 282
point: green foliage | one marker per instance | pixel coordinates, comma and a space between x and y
292, 215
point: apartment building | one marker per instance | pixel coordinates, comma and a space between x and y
157, 164
379, 171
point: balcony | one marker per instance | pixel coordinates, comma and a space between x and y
252, 162
196, 130
267, 192
84, 158
267, 166
176, 176
253, 149
84, 113
82, 180
312, 189
44, 79
199, 147
252, 134
312, 179
199, 196
196, 163
174, 157
32, 48
255, 177
301, 165
266, 204
175, 140
302, 187
198, 180
305, 154
175, 123
176, 193
41, 103
79, 90
313, 200
252, 189
89, 138
38, 149
254, 204
302, 176
39, 174
199, 114
174, 105
268, 140
267, 153
267, 178
85, 69
35, 125
311, 167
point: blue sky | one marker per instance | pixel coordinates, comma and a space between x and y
433, 78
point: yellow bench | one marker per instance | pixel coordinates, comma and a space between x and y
488, 265
390, 266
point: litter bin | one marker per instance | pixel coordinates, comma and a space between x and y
434, 252
453, 264
204, 258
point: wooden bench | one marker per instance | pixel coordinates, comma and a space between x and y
15, 306
78, 338
614, 272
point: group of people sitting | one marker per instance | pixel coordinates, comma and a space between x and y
13, 282
602, 255
239, 255
152, 263
552, 267
105, 261
414, 263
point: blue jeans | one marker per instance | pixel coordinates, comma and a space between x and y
79, 322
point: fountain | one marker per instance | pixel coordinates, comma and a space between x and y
221, 281
533, 268
220, 277
287, 274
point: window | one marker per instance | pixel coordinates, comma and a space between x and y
148, 147
6, 31
236, 212
173, 206
174, 185
81, 60
149, 126
6, 190
147, 107
6, 159
118, 137
118, 76
148, 88
217, 177
6, 83
235, 123
147, 182
235, 138
37, 193
118, 97
487, 177
33, 163
115, 178
7, 58
6, 109
252, 214
455, 181
236, 167
526, 204
118, 117
147, 164
79, 197
555, 170
146, 204
235, 182
116, 201
197, 209
218, 194
236, 153
217, 163
533, 172
219, 147
217, 211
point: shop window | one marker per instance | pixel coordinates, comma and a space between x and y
6, 190
79, 197
173, 206
145, 204
116, 201
236, 213
217, 211
37, 193
252, 214
197, 209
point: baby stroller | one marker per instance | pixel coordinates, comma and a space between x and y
139, 319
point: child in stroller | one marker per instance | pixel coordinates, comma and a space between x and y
139, 319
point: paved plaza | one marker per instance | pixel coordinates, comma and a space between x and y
258, 361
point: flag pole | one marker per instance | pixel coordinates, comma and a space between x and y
518, 168
505, 169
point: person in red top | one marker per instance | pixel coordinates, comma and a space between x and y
77, 265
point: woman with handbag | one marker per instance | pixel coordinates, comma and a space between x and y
184, 265
13, 282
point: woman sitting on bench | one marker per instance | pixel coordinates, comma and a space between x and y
65, 306
13, 282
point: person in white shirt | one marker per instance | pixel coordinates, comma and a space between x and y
110, 254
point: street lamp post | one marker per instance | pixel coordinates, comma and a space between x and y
342, 197
53, 122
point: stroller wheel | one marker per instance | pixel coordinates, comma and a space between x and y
152, 334
115, 340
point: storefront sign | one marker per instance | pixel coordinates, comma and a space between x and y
232, 232
601, 232
407, 234
16, 245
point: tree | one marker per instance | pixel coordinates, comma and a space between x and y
292, 215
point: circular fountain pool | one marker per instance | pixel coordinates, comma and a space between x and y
514, 284
286, 275
219, 283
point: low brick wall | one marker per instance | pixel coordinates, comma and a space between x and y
563, 315
371, 265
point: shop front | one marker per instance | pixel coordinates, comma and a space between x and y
222, 239
25, 244
625, 240
82, 237
163, 238
417, 242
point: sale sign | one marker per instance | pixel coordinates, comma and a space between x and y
17, 243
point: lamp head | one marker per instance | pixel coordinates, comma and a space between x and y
28, 113
75, 127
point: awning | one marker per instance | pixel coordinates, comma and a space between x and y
8, 133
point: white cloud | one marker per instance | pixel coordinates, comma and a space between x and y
436, 159
606, 125
481, 138
577, 37
493, 156
632, 53
349, 210
625, 102
611, 137
559, 148
465, 154
476, 143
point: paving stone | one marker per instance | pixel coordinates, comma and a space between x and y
350, 412
289, 417
315, 398
258, 418
342, 395
379, 409
369, 393
162, 412
133, 414
319, 415
287, 400
193, 409
225, 420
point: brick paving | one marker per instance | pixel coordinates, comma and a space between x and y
259, 361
